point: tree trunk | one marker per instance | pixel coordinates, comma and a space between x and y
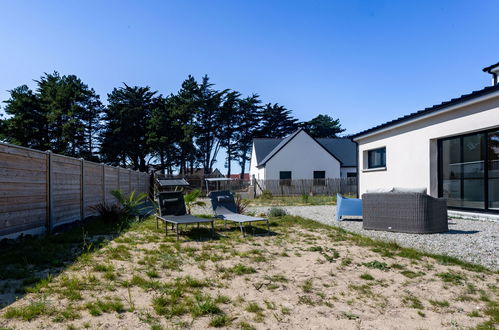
243, 167
162, 161
229, 159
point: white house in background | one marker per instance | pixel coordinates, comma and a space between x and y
451, 148
300, 156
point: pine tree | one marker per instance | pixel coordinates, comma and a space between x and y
127, 117
277, 122
323, 126
249, 125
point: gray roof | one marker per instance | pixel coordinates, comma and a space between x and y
342, 149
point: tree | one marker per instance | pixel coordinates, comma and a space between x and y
323, 126
249, 126
229, 121
184, 106
207, 127
164, 133
127, 117
277, 122
62, 115
27, 125
72, 112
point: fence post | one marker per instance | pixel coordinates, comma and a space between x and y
82, 198
129, 181
103, 184
50, 199
118, 169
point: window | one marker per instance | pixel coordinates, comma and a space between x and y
376, 158
467, 175
285, 178
351, 174
319, 178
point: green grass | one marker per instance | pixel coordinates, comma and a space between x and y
411, 274
241, 269
107, 305
439, 303
452, 277
219, 321
412, 301
377, 265
253, 307
367, 277
29, 312
293, 200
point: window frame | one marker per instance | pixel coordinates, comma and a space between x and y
319, 181
370, 165
287, 181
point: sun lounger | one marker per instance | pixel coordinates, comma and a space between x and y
172, 210
224, 206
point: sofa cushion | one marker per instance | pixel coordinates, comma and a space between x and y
379, 190
409, 190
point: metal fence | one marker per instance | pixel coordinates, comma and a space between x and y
306, 186
42, 190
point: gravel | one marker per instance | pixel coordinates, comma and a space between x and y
470, 240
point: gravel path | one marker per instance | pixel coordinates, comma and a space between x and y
470, 240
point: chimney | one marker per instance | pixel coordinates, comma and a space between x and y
494, 71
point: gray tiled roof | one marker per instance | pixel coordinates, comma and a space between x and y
341, 148
432, 109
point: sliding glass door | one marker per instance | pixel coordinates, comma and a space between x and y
469, 170
493, 170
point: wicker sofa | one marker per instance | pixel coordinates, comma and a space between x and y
407, 212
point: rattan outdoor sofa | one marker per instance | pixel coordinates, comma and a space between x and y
407, 212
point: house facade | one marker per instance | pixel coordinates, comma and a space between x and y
452, 149
300, 156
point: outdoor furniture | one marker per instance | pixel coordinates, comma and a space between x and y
407, 212
224, 206
172, 210
351, 207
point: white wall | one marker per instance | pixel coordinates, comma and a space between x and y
302, 156
259, 173
411, 150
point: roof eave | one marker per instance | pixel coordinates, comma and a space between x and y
465, 100
444, 109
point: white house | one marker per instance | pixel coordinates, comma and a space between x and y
451, 148
300, 156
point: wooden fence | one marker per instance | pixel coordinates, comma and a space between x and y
41, 190
306, 186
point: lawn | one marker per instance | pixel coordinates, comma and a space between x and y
293, 200
304, 275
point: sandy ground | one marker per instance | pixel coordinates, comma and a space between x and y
299, 278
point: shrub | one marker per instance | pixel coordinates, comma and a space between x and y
241, 204
123, 212
191, 199
305, 198
266, 194
277, 212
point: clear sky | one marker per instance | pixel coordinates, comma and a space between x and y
364, 62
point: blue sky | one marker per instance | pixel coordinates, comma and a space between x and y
364, 62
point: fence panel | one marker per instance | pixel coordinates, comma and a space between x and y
66, 192
41, 190
23, 190
330, 186
124, 178
93, 192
